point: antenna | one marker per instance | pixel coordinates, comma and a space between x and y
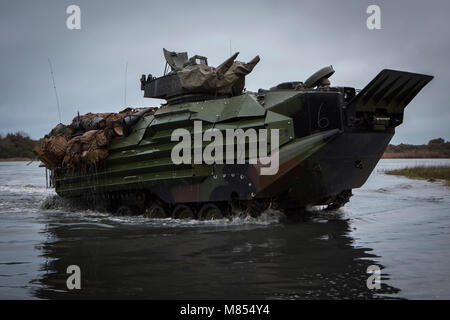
54, 87
125, 90
230, 47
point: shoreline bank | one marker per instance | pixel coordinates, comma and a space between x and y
427, 173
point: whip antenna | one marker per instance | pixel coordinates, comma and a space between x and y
125, 90
54, 87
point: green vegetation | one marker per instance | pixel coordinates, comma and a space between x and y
430, 173
17, 145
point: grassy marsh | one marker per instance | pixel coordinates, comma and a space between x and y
421, 172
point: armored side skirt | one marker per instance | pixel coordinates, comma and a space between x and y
312, 171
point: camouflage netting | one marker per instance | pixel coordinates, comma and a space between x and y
85, 140
229, 77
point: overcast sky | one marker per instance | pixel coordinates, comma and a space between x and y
293, 39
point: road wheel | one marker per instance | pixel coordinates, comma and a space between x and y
255, 207
341, 199
140, 198
124, 211
156, 212
210, 212
183, 212
235, 207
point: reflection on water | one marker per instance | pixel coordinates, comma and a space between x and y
309, 259
398, 224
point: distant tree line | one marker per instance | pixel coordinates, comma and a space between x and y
20, 145
17, 145
436, 148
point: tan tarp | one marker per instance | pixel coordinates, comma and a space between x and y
90, 147
61, 148
229, 77
52, 150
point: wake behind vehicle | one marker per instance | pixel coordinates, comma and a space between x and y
320, 141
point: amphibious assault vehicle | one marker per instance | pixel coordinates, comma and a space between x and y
322, 142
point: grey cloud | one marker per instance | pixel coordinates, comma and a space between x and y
293, 38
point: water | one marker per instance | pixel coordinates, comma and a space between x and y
399, 224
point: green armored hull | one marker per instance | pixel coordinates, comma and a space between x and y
329, 141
